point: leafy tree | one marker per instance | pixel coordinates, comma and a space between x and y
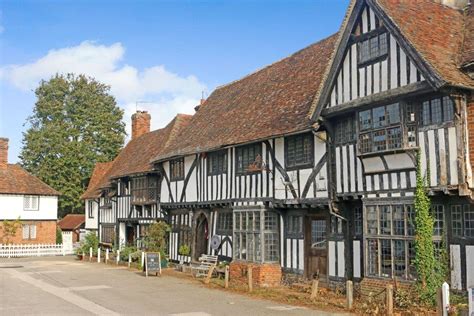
155, 239
430, 268
75, 123
9, 229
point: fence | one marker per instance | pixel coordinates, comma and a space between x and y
34, 250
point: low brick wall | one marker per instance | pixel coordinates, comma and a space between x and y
265, 275
375, 286
45, 232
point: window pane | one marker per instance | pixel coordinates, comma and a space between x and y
436, 111
372, 257
371, 220
456, 220
357, 221
438, 219
410, 220
394, 138
468, 221
318, 234
379, 140
271, 247
398, 220
365, 120
366, 143
399, 258
386, 258
448, 109
410, 113
411, 258
393, 113
374, 47
379, 118
383, 44
426, 113
385, 220
411, 136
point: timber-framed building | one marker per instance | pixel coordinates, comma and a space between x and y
307, 167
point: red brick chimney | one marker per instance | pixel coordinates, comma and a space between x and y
3, 153
140, 123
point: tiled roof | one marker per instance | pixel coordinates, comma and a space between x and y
270, 102
435, 31
136, 157
100, 169
72, 221
467, 56
16, 180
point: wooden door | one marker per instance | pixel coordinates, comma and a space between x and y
316, 247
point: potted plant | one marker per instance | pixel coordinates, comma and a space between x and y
184, 250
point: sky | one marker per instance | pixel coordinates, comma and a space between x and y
159, 56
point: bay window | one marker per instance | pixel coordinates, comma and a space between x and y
256, 236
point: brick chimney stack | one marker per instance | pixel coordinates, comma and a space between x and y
140, 123
3, 153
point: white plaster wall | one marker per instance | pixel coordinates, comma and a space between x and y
91, 222
11, 207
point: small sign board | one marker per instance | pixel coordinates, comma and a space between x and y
152, 263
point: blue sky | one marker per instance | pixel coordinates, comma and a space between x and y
160, 53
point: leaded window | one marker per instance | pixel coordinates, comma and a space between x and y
256, 237
144, 189
177, 169
90, 206
462, 221
107, 234
345, 130
31, 202
380, 129
247, 157
299, 150
438, 215
438, 110
318, 234
456, 220
373, 48
358, 221
294, 226
29, 231
224, 223
389, 241
217, 162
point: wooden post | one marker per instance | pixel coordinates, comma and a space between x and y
106, 255
118, 256
209, 274
129, 260
349, 294
249, 274
314, 289
90, 254
83, 255
143, 259
226, 277
389, 302
98, 255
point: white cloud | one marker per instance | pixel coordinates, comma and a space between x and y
167, 92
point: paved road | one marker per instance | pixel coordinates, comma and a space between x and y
63, 286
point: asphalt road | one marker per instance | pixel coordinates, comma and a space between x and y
64, 286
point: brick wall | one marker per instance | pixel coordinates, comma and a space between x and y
45, 233
3, 153
375, 286
266, 275
140, 123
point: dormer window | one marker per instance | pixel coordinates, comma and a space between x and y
372, 48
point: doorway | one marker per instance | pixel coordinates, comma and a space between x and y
316, 247
202, 236
130, 234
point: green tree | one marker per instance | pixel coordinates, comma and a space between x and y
431, 269
155, 239
75, 123
59, 235
9, 229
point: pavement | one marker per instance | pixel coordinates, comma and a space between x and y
65, 286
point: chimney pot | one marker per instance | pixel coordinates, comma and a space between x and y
140, 123
3, 153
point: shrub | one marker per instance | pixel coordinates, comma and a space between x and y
184, 250
59, 235
91, 240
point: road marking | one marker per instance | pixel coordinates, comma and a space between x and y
86, 288
63, 293
284, 308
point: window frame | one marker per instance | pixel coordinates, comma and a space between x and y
443, 109
177, 163
221, 165
144, 189
30, 229
90, 205
239, 152
308, 161
368, 39
31, 198
223, 225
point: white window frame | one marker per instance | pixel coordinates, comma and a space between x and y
30, 199
29, 231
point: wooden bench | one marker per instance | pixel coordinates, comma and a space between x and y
206, 263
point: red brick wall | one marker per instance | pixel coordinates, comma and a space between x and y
375, 286
140, 123
266, 275
3, 153
45, 233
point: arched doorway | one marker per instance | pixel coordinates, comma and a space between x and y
201, 236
